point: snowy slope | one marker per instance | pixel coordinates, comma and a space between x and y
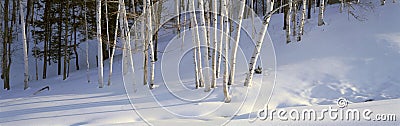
345, 58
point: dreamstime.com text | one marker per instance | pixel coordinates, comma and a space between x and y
340, 113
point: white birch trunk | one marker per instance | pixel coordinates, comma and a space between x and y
183, 22
207, 28
253, 61
151, 44
127, 59
288, 22
26, 65
203, 32
145, 47
99, 44
236, 43
341, 6
178, 18
196, 40
108, 34
294, 14
226, 66
223, 15
87, 46
321, 13
253, 27
303, 18
113, 46
196, 71
215, 45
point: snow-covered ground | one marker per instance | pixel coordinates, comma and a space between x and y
346, 58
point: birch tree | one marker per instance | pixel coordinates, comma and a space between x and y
127, 66
145, 49
341, 6
215, 46
24, 43
260, 40
224, 9
204, 38
87, 44
99, 44
303, 18
150, 42
112, 46
321, 13
219, 55
107, 33
289, 9
177, 7
183, 9
196, 41
236, 43
294, 14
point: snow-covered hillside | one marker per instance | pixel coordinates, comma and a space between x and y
345, 58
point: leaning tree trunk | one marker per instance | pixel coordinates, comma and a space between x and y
99, 44
256, 52
112, 46
24, 43
321, 13
236, 43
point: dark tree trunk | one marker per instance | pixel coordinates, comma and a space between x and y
47, 36
66, 41
5, 41
309, 9
285, 13
59, 39
75, 52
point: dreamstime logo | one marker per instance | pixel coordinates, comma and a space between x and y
342, 113
176, 97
